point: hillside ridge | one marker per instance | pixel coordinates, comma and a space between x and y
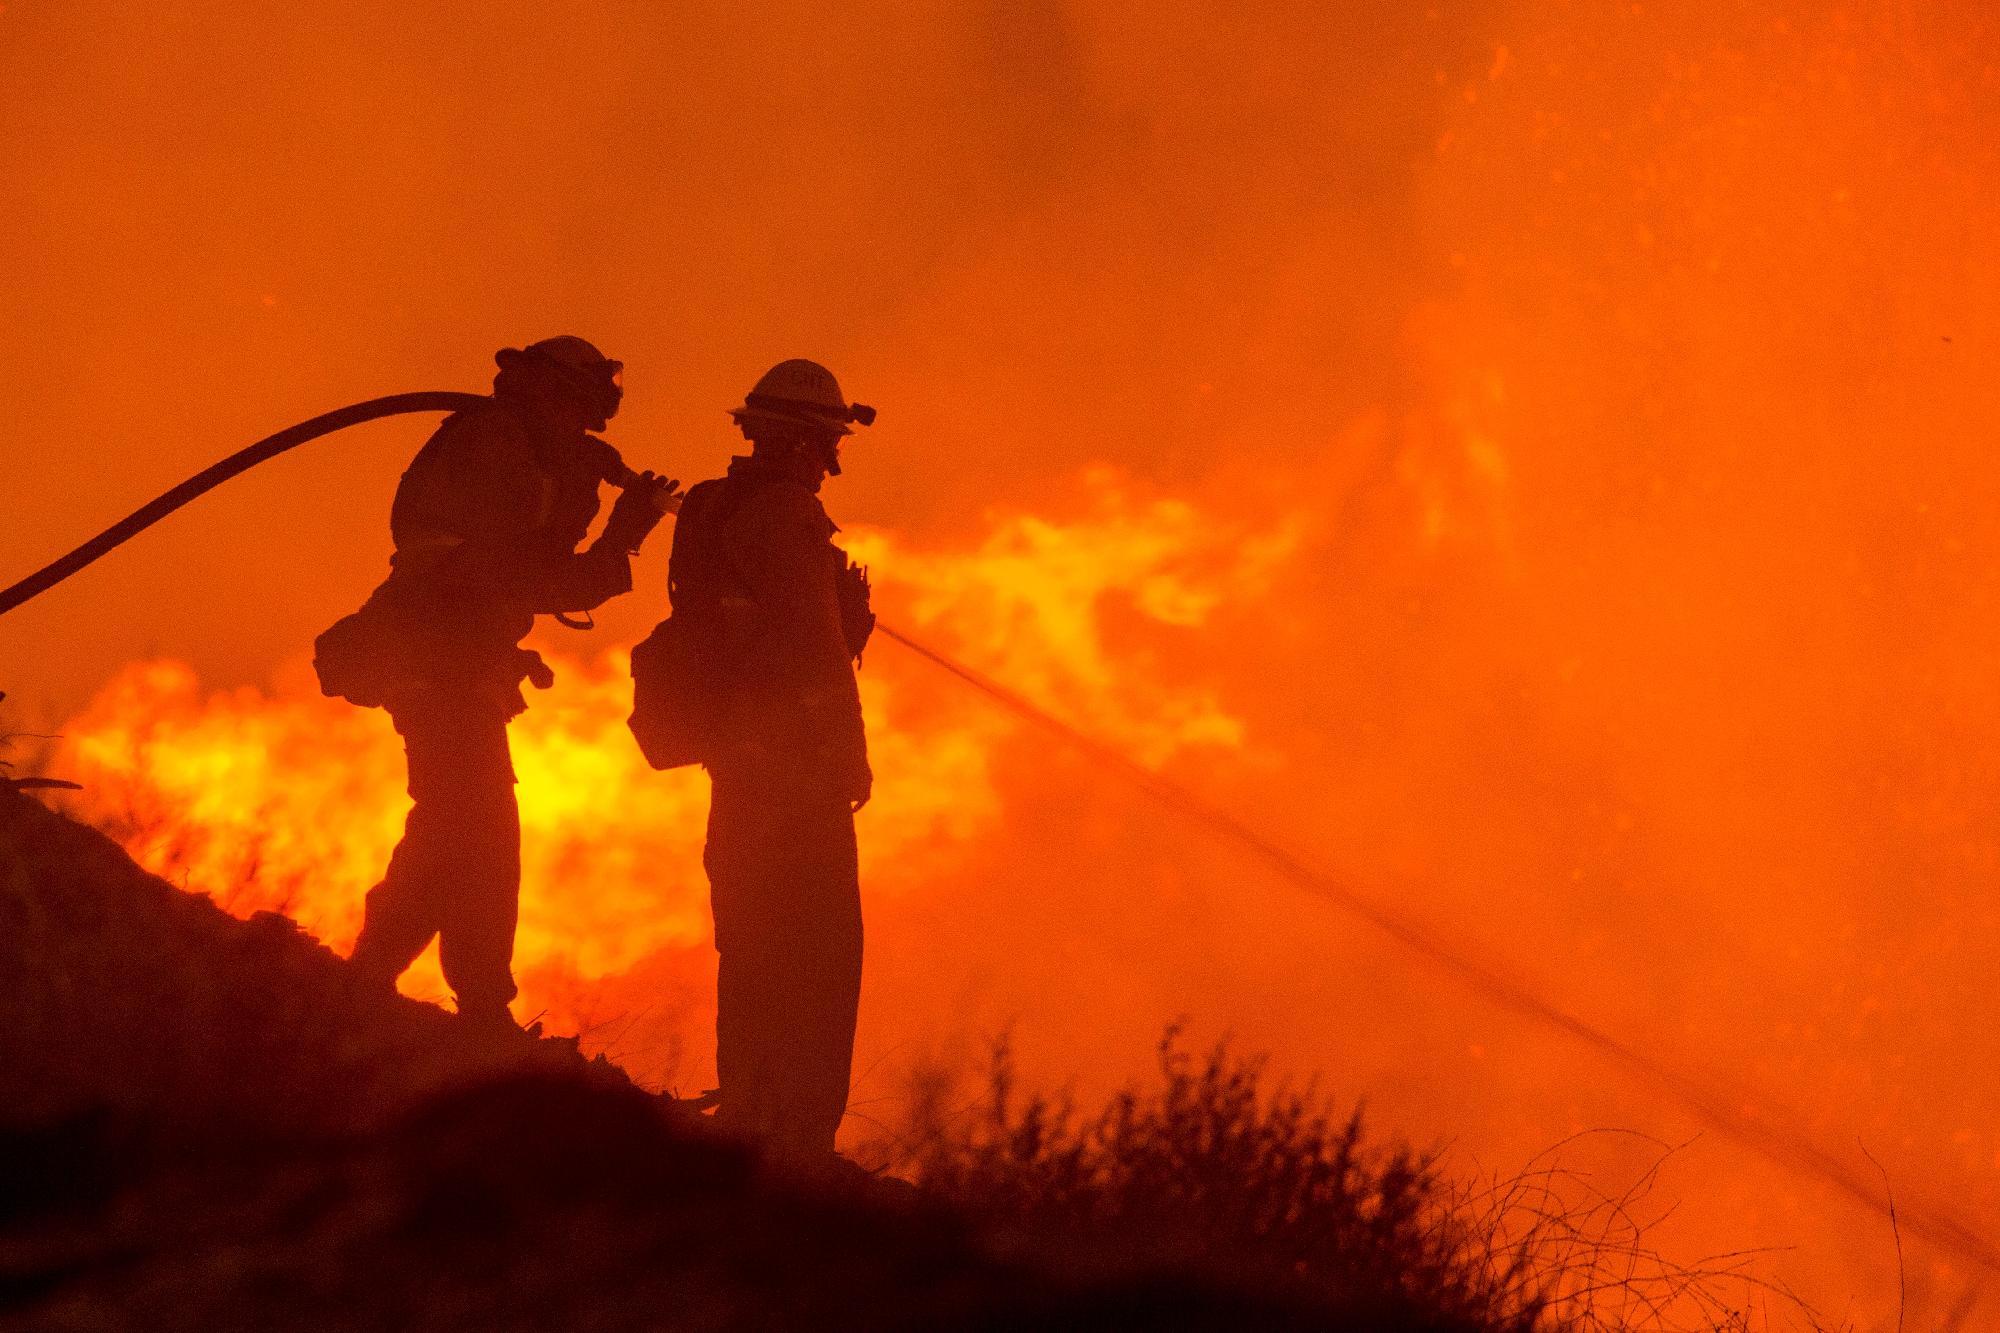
204, 1125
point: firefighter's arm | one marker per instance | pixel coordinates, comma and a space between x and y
580, 582
477, 499
587, 579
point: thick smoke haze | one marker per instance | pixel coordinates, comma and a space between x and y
1535, 461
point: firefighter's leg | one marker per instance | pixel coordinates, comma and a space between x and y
402, 911
736, 857
476, 945
824, 977
749, 1009
480, 902
400, 917
788, 932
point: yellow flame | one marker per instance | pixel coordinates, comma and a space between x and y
283, 800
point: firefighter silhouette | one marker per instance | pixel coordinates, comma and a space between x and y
756, 673
487, 522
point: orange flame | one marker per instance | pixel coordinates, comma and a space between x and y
287, 801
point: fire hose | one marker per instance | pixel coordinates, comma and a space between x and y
240, 462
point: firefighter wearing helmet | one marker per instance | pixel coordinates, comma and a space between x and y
487, 522
776, 617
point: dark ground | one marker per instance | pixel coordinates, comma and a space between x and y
202, 1128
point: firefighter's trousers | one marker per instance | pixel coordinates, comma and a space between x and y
787, 900
456, 874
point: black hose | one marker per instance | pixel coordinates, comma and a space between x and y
242, 461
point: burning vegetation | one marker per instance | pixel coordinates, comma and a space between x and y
286, 802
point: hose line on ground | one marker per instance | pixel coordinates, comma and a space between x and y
241, 461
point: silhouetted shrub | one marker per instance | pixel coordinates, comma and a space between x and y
1211, 1171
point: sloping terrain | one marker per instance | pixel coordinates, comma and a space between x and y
203, 1126
118, 991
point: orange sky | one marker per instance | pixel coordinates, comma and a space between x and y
1608, 386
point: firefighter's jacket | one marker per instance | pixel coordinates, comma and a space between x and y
754, 552
486, 522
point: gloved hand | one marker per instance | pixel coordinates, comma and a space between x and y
857, 622
859, 784
535, 669
639, 509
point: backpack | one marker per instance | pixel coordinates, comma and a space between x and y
673, 699
683, 671
376, 654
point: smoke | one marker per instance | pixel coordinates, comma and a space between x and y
1564, 430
